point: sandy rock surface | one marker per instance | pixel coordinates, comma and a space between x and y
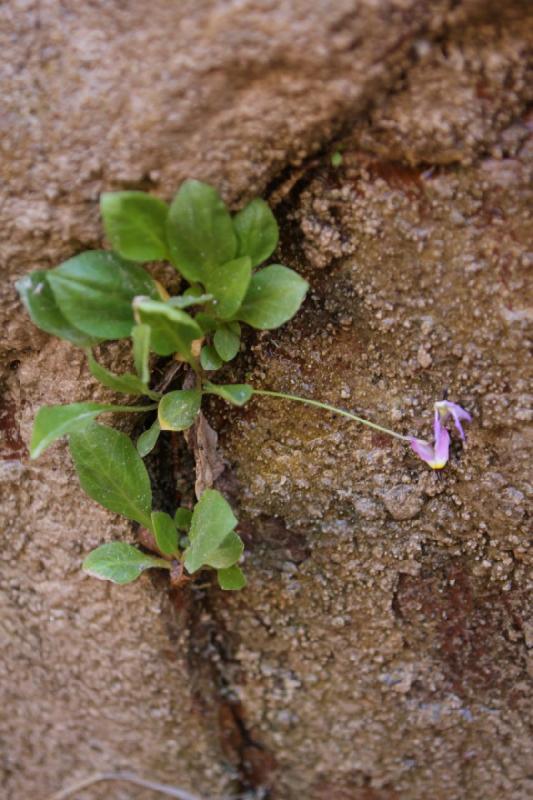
380, 651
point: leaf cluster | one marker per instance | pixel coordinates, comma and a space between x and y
102, 295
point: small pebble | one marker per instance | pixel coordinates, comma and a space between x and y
424, 358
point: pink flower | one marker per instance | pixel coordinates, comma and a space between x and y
458, 413
436, 455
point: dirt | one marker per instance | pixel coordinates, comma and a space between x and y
380, 650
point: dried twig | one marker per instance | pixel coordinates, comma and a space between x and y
169, 375
202, 440
127, 777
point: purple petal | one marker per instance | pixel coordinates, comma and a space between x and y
459, 427
436, 459
442, 444
423, 449
459, 412
435, 455
444, 407
438, 427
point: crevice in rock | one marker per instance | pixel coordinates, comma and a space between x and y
212, 663
213, 670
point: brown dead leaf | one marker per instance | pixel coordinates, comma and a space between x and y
147, 539
202, 440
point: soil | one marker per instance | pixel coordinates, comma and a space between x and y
380, 651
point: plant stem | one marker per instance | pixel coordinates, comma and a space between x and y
333, 409
127, 777
121, 409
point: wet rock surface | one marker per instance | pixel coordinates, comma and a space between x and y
380, 651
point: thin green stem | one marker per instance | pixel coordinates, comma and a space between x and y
333, 409
122, 409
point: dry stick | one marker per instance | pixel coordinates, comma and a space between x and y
169, 376
128, 777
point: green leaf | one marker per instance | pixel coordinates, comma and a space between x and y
166, 535
112, 472
134, 223
275, 295
209, 358
40, 303
226, 342
231, 578
229, 283
141, 351
172, 330
186, 300
52, 422
199, 231
148, 440
120, 562
127, 383
212, 521
257, 231
182, 519
236, 393
206, 322
234, 327
95, 290
228, 553
178, 410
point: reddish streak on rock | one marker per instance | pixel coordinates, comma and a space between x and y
469, 621
482, 91
380, 440
399, 176
257, 765
12, 446
337, 791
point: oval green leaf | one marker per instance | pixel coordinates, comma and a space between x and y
226, 342
275, 295
257, 231
166, 535
172, 330
231, 578
52, 422
212, 521
206, 322
229, 283
182, 518
95, 290
134, 223
40, 303
199, 231
120, 563
235, 393
209, 358
178, 410
112, 472
148, 440
234, 327
228, 553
